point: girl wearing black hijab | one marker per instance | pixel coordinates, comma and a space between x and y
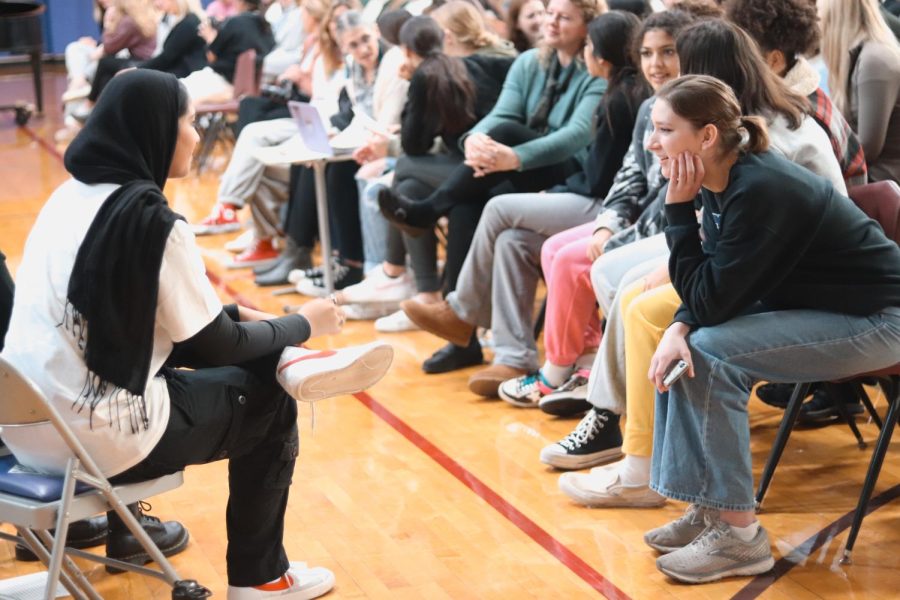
113, 298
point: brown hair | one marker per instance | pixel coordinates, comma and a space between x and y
724, 50
332, 58
466, 23
516, 35
705, 100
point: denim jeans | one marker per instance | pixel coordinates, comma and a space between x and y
701, 443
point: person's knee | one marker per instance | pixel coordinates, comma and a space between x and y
652, 310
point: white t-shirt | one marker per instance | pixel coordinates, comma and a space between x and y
48, 353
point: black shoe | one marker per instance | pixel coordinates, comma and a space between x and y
821, 409
596, 439
86, 533
170, 537
777, 394
413, 218
452, 358
344, 276
277, 274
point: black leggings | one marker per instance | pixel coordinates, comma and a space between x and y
462, 187
301, 222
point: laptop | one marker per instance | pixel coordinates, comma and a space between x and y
311, 128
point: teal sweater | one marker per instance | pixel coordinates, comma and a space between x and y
569, 131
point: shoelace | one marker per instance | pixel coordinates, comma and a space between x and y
526, 382
143, 508
589, 426
714, 530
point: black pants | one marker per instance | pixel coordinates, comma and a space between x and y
242, 414
257, 108
301, 222
462, 187
7, 291
107, 68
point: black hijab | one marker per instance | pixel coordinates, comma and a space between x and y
129, 139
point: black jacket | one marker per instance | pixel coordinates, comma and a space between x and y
183, 51
782, 236
241, 32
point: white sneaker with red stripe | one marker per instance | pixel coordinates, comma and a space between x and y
311, 375
298, 583
222, 219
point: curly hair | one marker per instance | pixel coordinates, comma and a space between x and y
791, 26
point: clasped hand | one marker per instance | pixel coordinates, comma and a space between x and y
486, 156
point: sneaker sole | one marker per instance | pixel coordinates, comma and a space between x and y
216, 229
143, 558
564, 407
251, 263
582, 461
592, 501
757, 568
362, 373
515, 401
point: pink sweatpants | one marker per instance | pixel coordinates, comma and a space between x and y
571, 322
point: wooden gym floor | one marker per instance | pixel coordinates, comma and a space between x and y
417, 489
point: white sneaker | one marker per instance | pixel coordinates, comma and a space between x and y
378, 287
241, 242
305, 584
603, 487
395, 323
75, 94
368, 312
311, 375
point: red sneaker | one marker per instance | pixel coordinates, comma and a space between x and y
258, 253
222, 219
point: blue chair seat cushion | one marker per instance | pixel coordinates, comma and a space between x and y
44, 488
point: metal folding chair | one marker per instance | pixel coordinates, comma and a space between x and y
881, 201
36, 503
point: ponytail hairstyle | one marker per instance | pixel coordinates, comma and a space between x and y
332, 57
611, 35
845, 25
703, 100
450, 92
727, 52
467, 24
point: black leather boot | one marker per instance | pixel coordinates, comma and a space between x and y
452, 357
86, 533
170, 537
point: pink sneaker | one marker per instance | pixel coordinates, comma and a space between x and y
222, 219
311, 375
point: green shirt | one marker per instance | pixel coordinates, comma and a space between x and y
569, 122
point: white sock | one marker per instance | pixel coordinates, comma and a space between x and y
745, 534
585, 361
634, 470
555, 374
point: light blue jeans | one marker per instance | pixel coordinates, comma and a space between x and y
701, 443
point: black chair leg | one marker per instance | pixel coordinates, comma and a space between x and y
841, 408
539, 319
867, 402
881, 446
784, 431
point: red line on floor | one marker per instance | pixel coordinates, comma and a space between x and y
218, 282
42, 142
497, 502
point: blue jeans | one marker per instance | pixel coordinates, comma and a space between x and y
701, 443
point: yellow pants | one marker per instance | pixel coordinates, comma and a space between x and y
646, 317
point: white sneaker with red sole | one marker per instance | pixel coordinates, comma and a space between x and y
299, 583
222, 219
311, 375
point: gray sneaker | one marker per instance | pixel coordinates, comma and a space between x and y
718, 553
680, 532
